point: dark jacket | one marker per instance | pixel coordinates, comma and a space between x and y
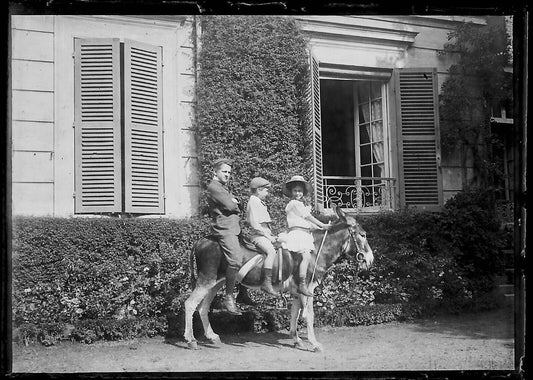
223, 211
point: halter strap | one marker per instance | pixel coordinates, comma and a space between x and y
318, 254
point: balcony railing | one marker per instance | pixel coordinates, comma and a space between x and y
367, 194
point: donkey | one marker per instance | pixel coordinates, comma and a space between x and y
345, 237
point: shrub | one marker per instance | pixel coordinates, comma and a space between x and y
471, 224
91, 279
66, 271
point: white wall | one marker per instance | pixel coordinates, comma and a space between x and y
32, 122
43, 107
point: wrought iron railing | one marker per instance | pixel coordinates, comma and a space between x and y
359, 193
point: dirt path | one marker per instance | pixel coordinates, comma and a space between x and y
468, 342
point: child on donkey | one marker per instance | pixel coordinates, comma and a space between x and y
259, 220
300, 222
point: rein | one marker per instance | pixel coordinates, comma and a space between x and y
318, 255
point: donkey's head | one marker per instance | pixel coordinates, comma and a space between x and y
357, 245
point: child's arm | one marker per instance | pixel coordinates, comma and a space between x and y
317, 222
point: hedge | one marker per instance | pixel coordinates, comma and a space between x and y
71, 270
91, 279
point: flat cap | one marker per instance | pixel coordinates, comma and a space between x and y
220, 161
258, 182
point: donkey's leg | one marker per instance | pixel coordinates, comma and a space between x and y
203, 310
191, 304
295, 314
310, 319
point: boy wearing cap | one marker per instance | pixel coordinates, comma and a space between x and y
259, 220
224, 210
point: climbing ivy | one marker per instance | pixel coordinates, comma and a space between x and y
251, 99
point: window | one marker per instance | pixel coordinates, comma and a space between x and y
118, 127
354, 144
367, 154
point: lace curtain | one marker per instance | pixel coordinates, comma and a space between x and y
375, 132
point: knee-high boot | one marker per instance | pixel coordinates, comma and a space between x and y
267, 282
229, 300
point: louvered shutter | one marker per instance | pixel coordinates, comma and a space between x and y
143, 145
315, 132
97, 125
419, 148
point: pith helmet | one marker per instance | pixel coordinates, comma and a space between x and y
296, 179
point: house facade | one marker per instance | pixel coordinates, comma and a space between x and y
103, 113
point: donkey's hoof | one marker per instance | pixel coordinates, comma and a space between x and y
216, 341
192, 345
299, 345
317, 349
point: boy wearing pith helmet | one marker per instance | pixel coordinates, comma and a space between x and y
259, 220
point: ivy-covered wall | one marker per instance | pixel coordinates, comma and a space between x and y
251, 99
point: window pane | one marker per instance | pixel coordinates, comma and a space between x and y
377, 131
377, 169
364, 137
365, 154
376, 90
366, 171
377, 113
363, 114
363, 92
377, 152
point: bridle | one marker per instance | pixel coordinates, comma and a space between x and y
359, 255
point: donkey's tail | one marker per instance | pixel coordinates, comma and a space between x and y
192, 266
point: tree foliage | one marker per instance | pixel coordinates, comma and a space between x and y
475, 83
251, 98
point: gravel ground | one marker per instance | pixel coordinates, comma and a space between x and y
481, 341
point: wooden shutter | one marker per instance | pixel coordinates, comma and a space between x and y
97, 125
419, 148
315, 132
143, 137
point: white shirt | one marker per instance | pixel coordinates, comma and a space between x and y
257, 216
296, 214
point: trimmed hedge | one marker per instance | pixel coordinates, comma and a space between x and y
92, 279
66, 271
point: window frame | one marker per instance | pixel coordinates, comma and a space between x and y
387, 164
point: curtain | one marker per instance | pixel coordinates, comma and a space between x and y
375, 132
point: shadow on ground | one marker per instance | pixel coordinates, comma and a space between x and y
496, 324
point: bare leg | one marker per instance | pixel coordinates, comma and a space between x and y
191, 303
302, 287
203, 310
295, 314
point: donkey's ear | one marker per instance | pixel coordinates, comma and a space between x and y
340, 213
